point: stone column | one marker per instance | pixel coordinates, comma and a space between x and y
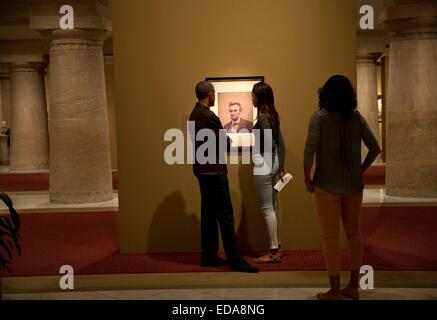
80, 162
367, 97
80, 166
29, 133
6, 107
5, 93
412, 103
3, 151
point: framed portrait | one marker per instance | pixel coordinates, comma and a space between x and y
234, 107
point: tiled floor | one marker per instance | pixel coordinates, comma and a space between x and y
40, 201
225, 294
377, 196
6, 169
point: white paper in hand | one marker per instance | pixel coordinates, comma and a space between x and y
279, 185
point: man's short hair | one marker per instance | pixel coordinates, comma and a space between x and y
203, 88
235, 103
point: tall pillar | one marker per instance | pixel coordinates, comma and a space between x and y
367, 97
411, 169
5, 111
3, 154
80, 160
29, 133
80, 166
5, 93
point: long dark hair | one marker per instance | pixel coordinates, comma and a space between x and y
338, 96
266, 104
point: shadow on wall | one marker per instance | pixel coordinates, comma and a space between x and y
296, 223
172, 228
292, 219
251, 231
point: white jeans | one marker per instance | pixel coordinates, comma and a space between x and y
267, 195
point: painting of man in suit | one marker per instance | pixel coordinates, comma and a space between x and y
236, 112
237, 123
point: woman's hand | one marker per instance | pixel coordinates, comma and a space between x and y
281, 175
308, 181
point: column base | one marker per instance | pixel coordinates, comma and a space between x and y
410, 193
80, 198
29, 167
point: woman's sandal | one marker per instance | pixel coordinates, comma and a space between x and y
279, 253
269, 258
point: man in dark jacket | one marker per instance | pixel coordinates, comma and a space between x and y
216, 206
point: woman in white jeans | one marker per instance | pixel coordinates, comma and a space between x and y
268, 158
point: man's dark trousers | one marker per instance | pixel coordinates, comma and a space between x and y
216, 210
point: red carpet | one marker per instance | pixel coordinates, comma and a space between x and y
401, 238
10, 182
395, 239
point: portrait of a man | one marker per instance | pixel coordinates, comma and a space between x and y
236, 111
237, 123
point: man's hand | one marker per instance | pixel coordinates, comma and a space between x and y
310, 185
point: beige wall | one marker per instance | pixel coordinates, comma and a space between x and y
162, 48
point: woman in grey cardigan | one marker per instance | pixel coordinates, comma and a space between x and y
268, 161
334, 137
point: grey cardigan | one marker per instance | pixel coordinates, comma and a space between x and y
336, 142
278, 145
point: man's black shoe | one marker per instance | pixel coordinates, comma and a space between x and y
243, 266
213, 262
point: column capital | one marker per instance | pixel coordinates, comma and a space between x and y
416, 33
367, 58
76, 44
27, 67
14, 62
92, 28
411, 21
